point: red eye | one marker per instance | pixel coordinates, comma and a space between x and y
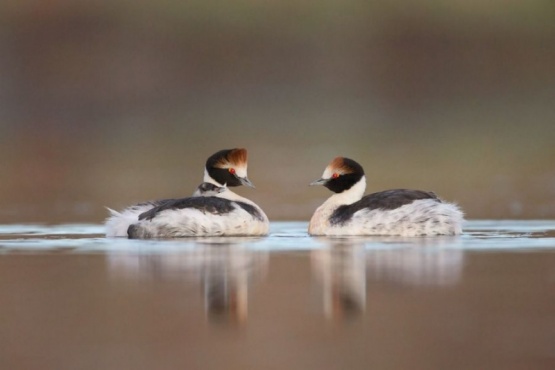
335, 175
232, 171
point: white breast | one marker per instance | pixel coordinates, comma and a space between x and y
319, 223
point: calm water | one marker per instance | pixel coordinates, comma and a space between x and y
72, 299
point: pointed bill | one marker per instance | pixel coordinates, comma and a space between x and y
245, 181
318, 182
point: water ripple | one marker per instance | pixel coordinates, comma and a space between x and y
284, 236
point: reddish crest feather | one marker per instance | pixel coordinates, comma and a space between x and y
337, 163
339, 166
236, 157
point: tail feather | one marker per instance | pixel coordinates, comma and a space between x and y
113, 212
117, 223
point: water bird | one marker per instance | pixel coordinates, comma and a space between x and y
402, 212
213, 210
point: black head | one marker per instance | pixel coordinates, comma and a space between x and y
228, 167
340, 175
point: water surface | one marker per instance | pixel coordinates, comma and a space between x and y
72, 299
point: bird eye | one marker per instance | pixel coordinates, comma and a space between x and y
335, 175
232, 171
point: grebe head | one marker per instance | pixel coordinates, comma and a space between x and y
207, 189
340, 175
228, 166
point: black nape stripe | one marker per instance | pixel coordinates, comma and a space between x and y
385, 200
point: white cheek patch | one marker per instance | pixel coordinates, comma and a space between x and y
328, 172
241, 171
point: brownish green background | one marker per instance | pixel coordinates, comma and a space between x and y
110, 102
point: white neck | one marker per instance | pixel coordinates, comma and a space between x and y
319, 222
349, 196
228, 194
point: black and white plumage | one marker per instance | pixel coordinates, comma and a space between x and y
207, 189
213, 210
401, 212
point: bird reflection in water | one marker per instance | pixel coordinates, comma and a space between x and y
340, 268
344, 266
226, 274
224, 267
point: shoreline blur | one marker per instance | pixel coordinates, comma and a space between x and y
112, 103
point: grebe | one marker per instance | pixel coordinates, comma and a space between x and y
212, 211
392, 212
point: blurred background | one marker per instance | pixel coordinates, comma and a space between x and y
106, 103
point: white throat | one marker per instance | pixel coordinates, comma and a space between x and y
319, 222
349, 196
227, 194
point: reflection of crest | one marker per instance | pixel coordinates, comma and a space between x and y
224, 270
